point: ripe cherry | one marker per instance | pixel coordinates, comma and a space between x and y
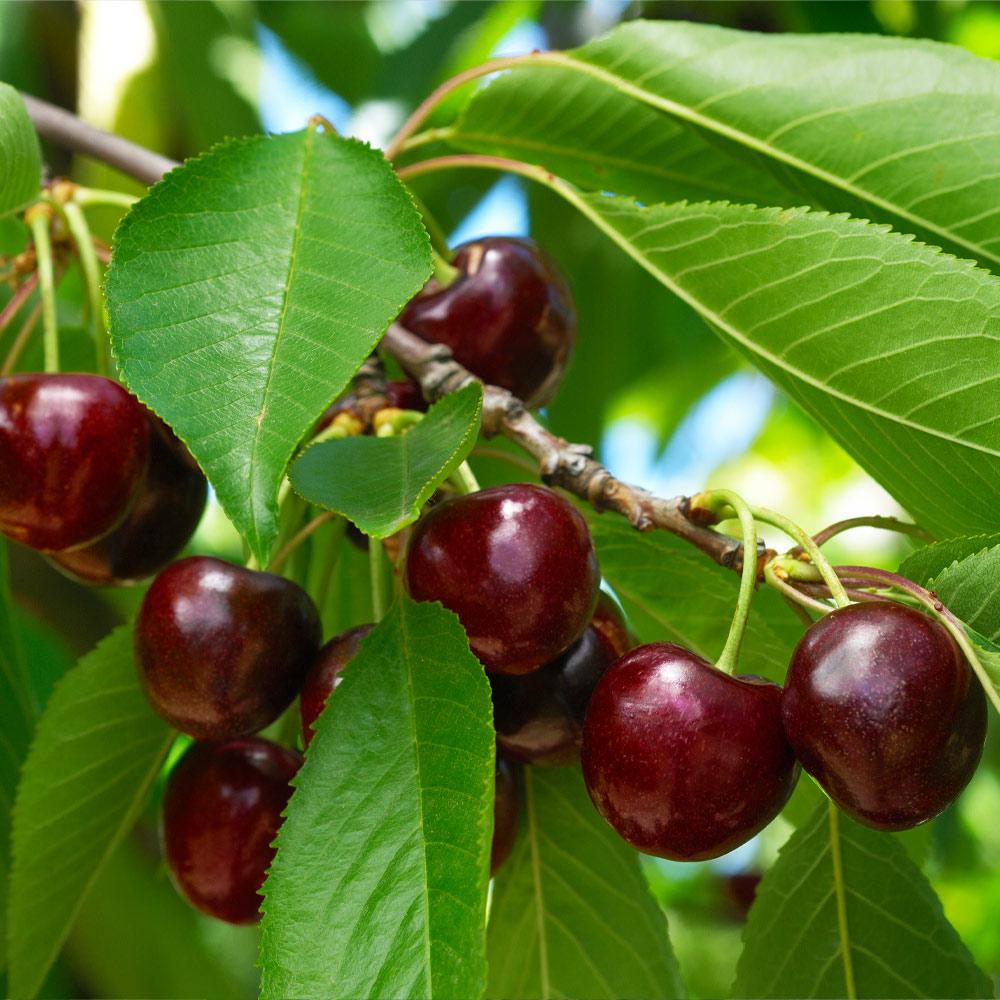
539, 716
223, 650
684, 761
508, 316
883, 711
162, 519
506, 811
73, 451
221, 812
516, 564
323, 676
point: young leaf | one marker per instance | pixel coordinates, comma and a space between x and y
675, 594
381, 484
845, 912
96, 750
890, 345
20, 159
245, 291
893, 129
601, 140
571, 915
925, 564
379, 884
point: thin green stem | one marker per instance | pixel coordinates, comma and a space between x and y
20, 340
20, 296
438, 239
426, 137
38, 219
84, 239
377, 577
790, 593
748, 578
444, 272
838, 884
278, 559
98, 196
820, 561
464, 480
876, 521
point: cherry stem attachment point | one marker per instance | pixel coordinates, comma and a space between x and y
39, 217
718, 501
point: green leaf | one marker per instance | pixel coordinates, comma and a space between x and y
381, 484
245, 291
673, 593
925, 564
601, 140
900, 130
20, 159
841, 893
571, 915
379, 884
891, 346
96, 751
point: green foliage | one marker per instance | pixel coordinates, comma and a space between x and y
285, 290
882, 340
836, 890
675, 594
379, 885
872, 126
382, 483
20, 160
926, 563
571, 915
96, 751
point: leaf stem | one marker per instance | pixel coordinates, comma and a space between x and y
377, 578
38, 217
80, 230
714, 499
876, 521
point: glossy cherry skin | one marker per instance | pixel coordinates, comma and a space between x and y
508, 316
684, 761
516, 564
506, 811
539, 716
73, 452
221, 812
223, 650
884, 712
160, 523
323, 676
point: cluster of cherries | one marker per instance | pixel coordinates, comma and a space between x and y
683, 760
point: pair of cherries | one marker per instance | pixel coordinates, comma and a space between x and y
880, 706
93, 479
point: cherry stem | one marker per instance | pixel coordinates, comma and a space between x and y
38, 218
717, 500
377, 578
949, 619
426, 137
278, 559
464, 480
876, 521
790, 593
20, 296
20, 340
820, 561
84, 240
439, 241
444, 272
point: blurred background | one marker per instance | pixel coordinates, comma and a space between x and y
666, 403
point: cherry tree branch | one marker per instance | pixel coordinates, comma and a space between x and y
561, 463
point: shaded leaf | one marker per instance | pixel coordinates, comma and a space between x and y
379, 885
891, 346
382, 483
245, 291
892, 931
20, 158
96, 751
572, 915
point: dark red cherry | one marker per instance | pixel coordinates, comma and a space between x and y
539, 716
221, 812
508, 316
506, 811
323, 676
684, 761
73, 452
516, 564
223, 650
160, 523
883, 711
